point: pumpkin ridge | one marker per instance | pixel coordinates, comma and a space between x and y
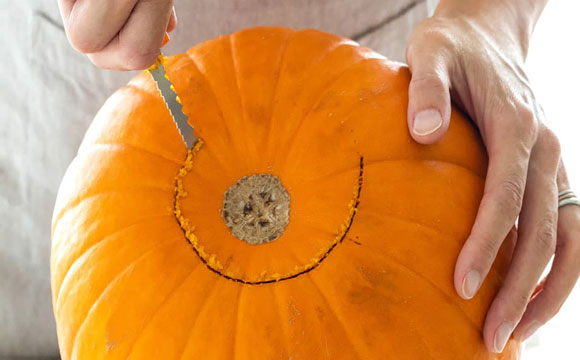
413, 222
140, 345
323, 93
90, 196
289, 38
188, 56
277, 304
410, 221
236, 326
452, 304
111, 283
332, 311
193, 61
215, 265
160, 307
88, 248
81, 196
200, 311
327, 175
431, 283
205, 78
451, 163
132, 147
398, 323
320, 59
236, 70
91, 248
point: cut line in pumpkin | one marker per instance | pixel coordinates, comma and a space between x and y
215, 265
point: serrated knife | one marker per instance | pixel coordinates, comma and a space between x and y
171, 99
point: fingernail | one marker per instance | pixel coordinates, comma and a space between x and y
427, 122
502, 335
532, 328
471, 283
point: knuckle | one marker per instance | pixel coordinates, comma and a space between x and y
431, 81
527, 124
520, 300
436, 32
546, 236
488, 249
84, 43
510, 197
513, 303
442, 36
136, 58
549, 142
433, 38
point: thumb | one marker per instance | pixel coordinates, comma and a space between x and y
429, 101
172, 21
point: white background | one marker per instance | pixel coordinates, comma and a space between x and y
553, 67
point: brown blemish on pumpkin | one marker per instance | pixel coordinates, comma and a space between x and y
211, 261
319, 313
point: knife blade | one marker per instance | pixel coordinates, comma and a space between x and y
172, 101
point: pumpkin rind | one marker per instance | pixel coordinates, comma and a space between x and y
304, 106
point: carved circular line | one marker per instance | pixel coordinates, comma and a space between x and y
184, 223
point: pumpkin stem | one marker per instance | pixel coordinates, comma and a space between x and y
256, 208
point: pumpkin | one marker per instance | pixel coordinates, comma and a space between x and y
305, 223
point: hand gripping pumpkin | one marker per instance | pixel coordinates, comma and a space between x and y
306, 223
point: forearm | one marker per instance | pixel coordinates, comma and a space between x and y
509, 22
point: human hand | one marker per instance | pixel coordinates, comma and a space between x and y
118, 34
480, 67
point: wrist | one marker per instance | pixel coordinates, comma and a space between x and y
509, 24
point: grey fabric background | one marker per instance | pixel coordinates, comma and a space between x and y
49, 95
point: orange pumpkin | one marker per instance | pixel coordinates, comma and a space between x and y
306, 224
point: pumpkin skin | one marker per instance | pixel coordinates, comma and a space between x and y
143, 265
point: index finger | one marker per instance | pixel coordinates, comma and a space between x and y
138, 43
91, 25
